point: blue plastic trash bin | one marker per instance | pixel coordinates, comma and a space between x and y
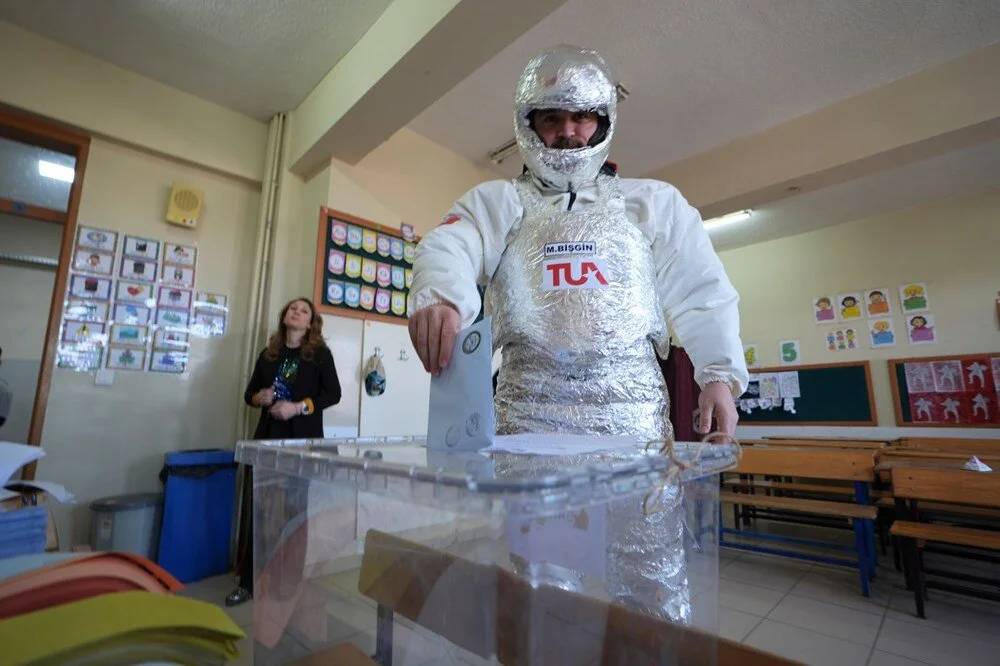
199, 490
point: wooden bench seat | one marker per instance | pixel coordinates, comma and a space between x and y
942, 507
795, 487
821, 507
960, 536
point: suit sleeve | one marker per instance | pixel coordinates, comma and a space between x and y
328, 393
258, 380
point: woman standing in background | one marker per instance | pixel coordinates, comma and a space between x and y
293, 381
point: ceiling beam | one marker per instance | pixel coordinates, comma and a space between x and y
411, 56
940, 109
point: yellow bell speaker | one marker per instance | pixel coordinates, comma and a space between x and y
184, 207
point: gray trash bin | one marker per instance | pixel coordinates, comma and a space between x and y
129, 523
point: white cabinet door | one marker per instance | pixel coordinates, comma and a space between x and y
402, 409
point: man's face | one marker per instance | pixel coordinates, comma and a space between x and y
558, 128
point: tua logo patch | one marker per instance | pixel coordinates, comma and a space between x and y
574, 273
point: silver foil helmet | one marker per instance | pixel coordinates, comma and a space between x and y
573, 79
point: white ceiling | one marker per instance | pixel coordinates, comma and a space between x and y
704, 73
255, 56
953, 174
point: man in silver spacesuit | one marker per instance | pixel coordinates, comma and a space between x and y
585, 273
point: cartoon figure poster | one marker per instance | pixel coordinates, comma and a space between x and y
93, 261
97, 239
878, 303
751, 356
181, 255
920, 329
882, 333
849, 306
913, 296
823, 312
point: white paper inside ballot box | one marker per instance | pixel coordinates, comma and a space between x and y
560, 550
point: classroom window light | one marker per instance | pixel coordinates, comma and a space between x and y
56, 171
729, 218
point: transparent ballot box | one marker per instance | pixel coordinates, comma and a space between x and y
384, 551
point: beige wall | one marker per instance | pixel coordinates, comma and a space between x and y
107, 440
24, 312
951, 245
60, 82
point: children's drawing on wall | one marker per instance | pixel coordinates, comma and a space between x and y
913, 296
975, 375
877, 302
849, 306
947, 376
831, 341
751, 356
920, 329
919, 378
950, 409
823, 310
852, 338
981, 407
841, 341
995, 363
882, 333
789, 351
923, 409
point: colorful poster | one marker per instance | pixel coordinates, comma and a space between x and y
751, 356
93, 261
352, 295
175, 319
352, 266
168, 339
823, 312
208, 324
129, 334
396, 248
849, 306
920, 329
97, 239
181, 255
919, 378
79, 310
367, 297
369, 240
126, 358
398, 277
398, 303
335, 292
383, 275
789, 351
138, 269
84, 286
368, 269
91, 332
141, 248
407, 231
384, 245
131, 313
168, 361
179, 276
881, 333
382, 301
338, 232
134, 292
409, 252
353, 237
995, 367
335, 262
207, 300
913, 296
173, 297
878, 303
409, 277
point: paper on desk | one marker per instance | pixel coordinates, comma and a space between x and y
14, 456
562, 444
974, 464
461, 402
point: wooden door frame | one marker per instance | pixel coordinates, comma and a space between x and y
36, 130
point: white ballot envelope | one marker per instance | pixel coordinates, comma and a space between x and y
461, 404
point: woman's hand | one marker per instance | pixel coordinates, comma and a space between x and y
284, 410
264, 397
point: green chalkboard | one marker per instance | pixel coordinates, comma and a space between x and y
831, 394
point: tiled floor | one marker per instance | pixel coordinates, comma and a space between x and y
811, 613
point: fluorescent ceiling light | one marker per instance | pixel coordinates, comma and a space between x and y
56, 171
729, 218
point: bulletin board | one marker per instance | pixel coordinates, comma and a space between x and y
947, 391
363, 269
835, 394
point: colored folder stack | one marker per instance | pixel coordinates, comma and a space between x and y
105, 608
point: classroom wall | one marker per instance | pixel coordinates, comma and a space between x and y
108, 440
24, 312
949, 244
